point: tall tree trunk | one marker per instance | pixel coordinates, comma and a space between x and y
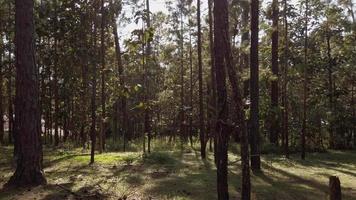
93, 92
330, 88
200, 80
27, 122
181, 51
254, 89
122, 98
274, 127
147, 92
191, 91
10, 100
102, 57
1, 102
304, 125
240, 113
9, 81
221, 129
213, 76
55, 79
285, 83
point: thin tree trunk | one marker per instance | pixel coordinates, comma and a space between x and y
93, 92
147, 92
212, 74
274, 129
200, 80
304, 125
191, 91
285, 83
1, 102
102, 57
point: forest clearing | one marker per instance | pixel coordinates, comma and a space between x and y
175, 174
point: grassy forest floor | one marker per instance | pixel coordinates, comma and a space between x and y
179, 174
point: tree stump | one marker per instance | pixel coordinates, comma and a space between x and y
334, 188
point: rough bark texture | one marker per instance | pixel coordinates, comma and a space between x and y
254, 89
334, 188
222, 132
274, 127
27, 122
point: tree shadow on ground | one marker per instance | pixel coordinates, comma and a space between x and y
290, 185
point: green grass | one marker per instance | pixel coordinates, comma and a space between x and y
179, 174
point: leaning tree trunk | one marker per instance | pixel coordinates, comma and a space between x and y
27, 111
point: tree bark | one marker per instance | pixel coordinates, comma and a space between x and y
221, 129
254, 89
334, 188
212, 74
304, 125
274, 129
200, 80
103, 95
27, 122
93, 92
147, 93
285, 83
1, 103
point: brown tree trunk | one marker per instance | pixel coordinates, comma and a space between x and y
304, 125
10, 101
334, 188
221, 129
191, 91
200, 80
285, 83
93, 92
147, 93
274, 127
102, 57
1, 103
254, 89
27, 122
122, 98
212, 74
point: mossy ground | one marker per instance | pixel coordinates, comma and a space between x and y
179, 174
